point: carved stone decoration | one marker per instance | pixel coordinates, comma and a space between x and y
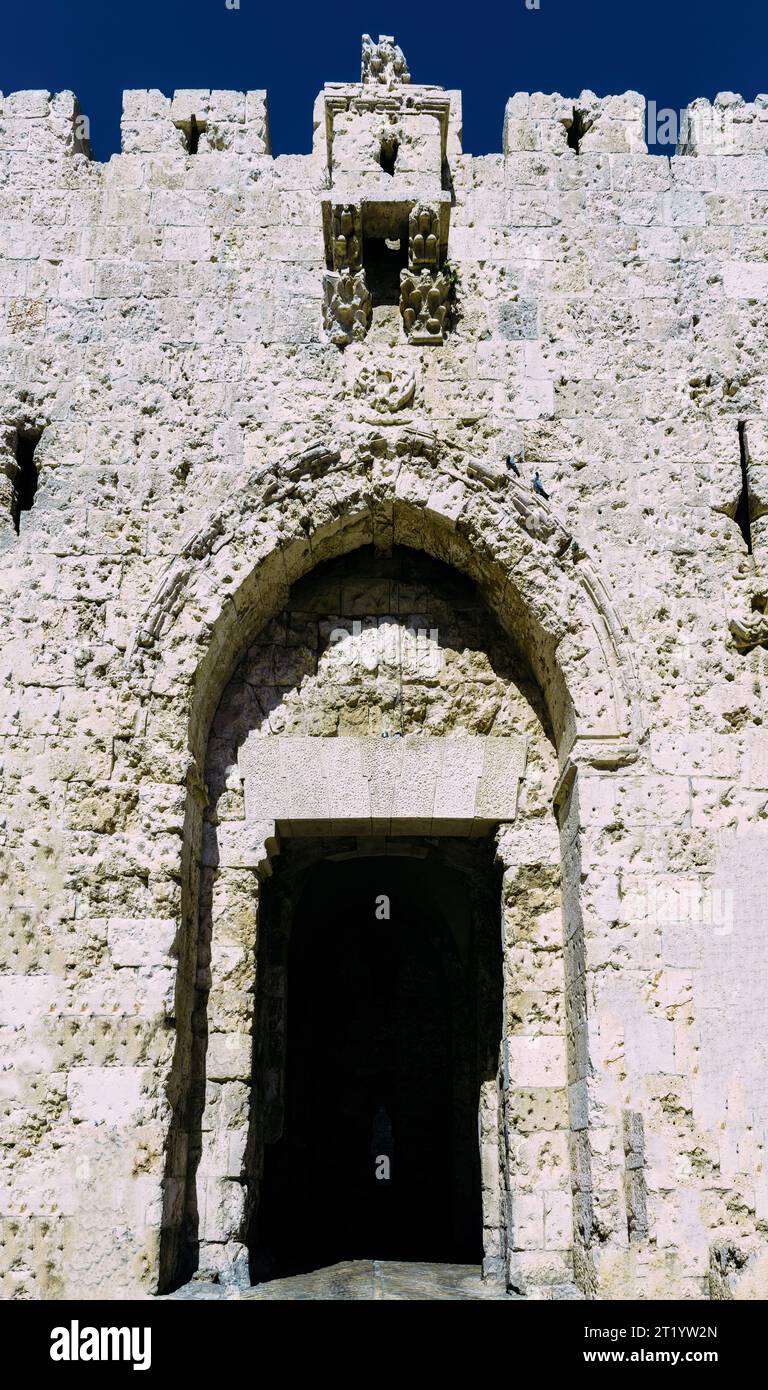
751, 631
346, 306
383, 63
424, 237
347, 242
424, 302
386, 389
424, 288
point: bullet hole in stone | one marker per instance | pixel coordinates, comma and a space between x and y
742, 515
25, 481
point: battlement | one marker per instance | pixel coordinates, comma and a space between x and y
729, 125
40, 123
195, 120
586, 124
348, 119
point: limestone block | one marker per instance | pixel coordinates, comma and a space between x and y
348, 791
503, 767
23, 997
558, 1220
527, 1229
541, 1160
140, 942
229, 1057
226, 1106
265, 790
540, 1269
223, 1153
456, 792
112, 1096
187, 103
222, 1206
414, 795
241, 844
534, 1062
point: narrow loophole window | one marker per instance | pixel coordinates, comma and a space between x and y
743, 513
25, 484
388, 155
193, 136
577, 130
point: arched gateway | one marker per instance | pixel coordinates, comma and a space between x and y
406, 657
383, 753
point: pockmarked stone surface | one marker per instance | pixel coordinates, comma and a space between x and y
328, 484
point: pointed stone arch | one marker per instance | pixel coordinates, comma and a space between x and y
232, 574
235, 574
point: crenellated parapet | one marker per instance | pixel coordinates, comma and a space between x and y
194, 121
728, 125
38, 125
587, 124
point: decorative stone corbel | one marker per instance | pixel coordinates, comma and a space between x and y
424, 288
347, 241
752, 630
346, 298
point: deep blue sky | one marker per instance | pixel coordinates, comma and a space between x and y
671, 51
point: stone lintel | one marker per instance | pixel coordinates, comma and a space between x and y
382, 786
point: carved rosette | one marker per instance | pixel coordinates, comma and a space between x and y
346, 298
386, 389
425, 289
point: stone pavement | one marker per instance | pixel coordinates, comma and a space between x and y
364, 1279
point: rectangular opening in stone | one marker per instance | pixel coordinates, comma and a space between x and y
368, 1108
383, 259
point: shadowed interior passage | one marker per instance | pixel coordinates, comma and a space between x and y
386, 1049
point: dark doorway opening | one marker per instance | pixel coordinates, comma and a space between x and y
384, 258
393, 1020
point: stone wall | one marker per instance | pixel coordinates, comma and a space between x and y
201, 442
